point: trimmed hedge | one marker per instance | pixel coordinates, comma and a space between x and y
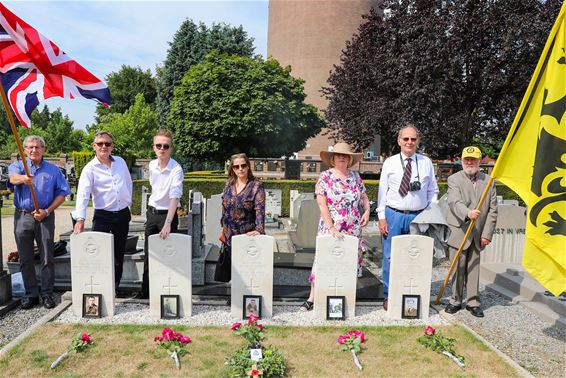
80, 159
210, 186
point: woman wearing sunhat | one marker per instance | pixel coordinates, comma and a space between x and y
343, 202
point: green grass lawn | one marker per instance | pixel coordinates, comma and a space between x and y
129, 351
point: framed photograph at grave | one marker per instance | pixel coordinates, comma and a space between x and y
170, 307
251, 306
411, 306
91, 305
335, 307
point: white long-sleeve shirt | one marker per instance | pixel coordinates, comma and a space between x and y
110, 187
390, 181
165, 184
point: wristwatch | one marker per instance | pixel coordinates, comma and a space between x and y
46, 212
168, 220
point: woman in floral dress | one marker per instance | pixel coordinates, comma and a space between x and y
343, 202
243, 202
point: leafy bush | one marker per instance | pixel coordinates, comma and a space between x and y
272, 364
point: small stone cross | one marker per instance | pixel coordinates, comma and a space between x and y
336, 286
169, 286
91, 284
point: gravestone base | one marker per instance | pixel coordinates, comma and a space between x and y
199, 271
5, 287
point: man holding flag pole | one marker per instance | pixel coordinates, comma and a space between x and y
532, 163
33, 69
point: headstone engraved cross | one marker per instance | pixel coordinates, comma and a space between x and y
252, 272
170, 272
335, 272
411, 273
92, 266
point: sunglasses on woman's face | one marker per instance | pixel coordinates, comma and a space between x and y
239, 166
160, 146
105, 144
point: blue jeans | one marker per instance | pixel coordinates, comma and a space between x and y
397, 224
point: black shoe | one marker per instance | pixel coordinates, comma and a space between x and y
452, 309
307, 306
29, 302
48, 301
475, 311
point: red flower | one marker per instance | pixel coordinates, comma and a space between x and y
359, 334
252, 319
86, 338
185, 339
236, 326
259, 326
168, 333
429, 331
342, 339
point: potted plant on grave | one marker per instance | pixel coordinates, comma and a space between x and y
13, 262
253, 358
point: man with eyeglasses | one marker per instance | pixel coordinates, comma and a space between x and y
50, 188
406, 187
166, 180
107, 179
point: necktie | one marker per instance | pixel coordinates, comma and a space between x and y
404, 188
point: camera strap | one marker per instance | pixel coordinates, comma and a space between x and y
416, 163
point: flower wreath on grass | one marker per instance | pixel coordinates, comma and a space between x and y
80, 343
174, 343
271, 364
352, 341
439, 343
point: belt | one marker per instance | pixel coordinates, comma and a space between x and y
405, 211
112, 212
24, 211
153, 210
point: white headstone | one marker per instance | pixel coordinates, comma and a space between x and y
92, 269
212, 228
335, 272
293, 194
252, 272
272, 204
170, 272
410, 272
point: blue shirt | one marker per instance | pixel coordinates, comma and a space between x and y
48, 182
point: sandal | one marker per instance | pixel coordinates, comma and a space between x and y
307, 306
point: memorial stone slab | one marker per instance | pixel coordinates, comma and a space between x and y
212, 228
410, 272
508, 237
336, 262
272, 204
293, 194
252, 272
92, 269
170, 272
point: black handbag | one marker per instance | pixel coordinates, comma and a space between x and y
223, 272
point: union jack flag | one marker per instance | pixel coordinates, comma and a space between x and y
33, 69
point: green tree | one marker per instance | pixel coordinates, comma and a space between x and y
190, 45
124, 85
132, 131
456, 68
231, 104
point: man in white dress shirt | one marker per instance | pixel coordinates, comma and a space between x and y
166, 180
406, 187
107, 179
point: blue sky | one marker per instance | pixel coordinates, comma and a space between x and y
103, 35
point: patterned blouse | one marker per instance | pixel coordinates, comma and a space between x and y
243, 212
344, 200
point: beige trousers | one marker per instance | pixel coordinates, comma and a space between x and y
466, 275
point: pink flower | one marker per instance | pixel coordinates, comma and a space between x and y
359, 334
259, 326
429, 331
342, 339
252, 319
168, 333
236, 326
156, 339
185, 339
86, 338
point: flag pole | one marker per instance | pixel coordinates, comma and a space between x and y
461, 247
18, 142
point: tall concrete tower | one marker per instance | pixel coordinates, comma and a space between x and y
309, 35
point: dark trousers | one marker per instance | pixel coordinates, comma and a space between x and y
153, 225
26, 229
117, 223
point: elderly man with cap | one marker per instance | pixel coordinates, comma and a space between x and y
343, 202
464, 191
406, 187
